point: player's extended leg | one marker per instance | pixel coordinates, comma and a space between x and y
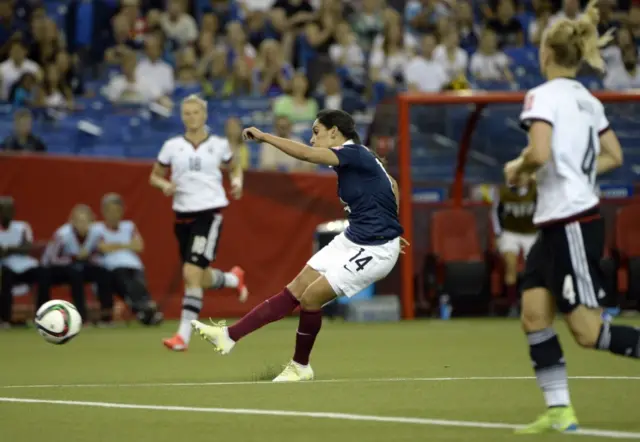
538, 312
510, 259
271, 310
314, 297
217, 279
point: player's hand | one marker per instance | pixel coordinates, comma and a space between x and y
252, 134
169, 189
512, 171
236, 191
403, 245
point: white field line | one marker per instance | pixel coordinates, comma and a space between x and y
320, 381
317, 415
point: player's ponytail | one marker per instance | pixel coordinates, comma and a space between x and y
587, 33
340, 120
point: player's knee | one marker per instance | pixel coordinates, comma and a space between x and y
192, 275
308, 302
585, 327
533, 320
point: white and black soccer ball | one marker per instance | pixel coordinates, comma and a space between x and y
58, 321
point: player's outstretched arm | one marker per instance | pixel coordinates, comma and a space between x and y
611, 153
294, 149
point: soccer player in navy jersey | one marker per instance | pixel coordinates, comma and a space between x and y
365, 253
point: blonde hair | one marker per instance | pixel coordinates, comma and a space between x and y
576, 41
194, 98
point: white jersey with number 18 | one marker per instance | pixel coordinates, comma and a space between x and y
566, 183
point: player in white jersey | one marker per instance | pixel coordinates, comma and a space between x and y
570, 143
195, 160
17, 267
120, 242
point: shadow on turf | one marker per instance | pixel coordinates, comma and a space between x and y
267, 374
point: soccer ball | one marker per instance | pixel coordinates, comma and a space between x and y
58, 321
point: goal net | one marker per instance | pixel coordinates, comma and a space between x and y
450, 149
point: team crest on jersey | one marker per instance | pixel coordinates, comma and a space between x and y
528, 102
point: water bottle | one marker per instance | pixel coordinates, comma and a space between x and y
445, 307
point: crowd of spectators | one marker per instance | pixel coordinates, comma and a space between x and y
305, 54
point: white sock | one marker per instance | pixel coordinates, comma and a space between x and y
191, 306
557, 398
231, 280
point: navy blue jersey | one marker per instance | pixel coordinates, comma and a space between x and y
366, 190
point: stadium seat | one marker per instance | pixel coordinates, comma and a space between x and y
627, 245
459, 265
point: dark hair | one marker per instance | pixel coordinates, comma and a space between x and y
342, 121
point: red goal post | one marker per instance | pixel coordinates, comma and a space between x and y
478, 101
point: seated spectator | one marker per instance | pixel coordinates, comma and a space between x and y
423, 73
506, 26
25, 91
297, 105
634, 22
217, 81
421, 15
451, 57
209, 23
278, 27
135, 20
16, 265
13, 68
226, 11
392, 19
625, 77
131, 87
387, 64
233, 131
346, 53
54, 93
22, 139
298, 12
187, 67
71, 259
120, 243
488, 63
540, 23
48, 41
152, 69
334, 97
466, 27
256, 27
271, 74
241, 83
570, 9
275, 159
179, 27
122, 41
71, 77
11, 28
237, 44
368, 23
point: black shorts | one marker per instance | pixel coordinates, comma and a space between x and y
565, 259
198, 234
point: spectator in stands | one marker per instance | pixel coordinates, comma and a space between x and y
216, 80
466, 27
570, 10
346, 54
297, 105
10, 28
120, 243
136, 22
489, 63
392, 19
423, 73
451, 57
272, 74
421, 15
16, 265
298, 12
12, 69
625, 77
131, 87
205, 48
69, 73
122, 40
333, 96
179, 27
47, 42
612, 54
387, 64
241, 78
278, 28
506, 26
152, 69
256, 27
23, 139
368, 23
187, 67
540, 23
71, 259
237, 44
634, 21
226, 11
607, 19
25, 91
209, 23
233, 131
274, 159
54, 93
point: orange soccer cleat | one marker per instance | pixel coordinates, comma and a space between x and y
175, 343
243, 292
